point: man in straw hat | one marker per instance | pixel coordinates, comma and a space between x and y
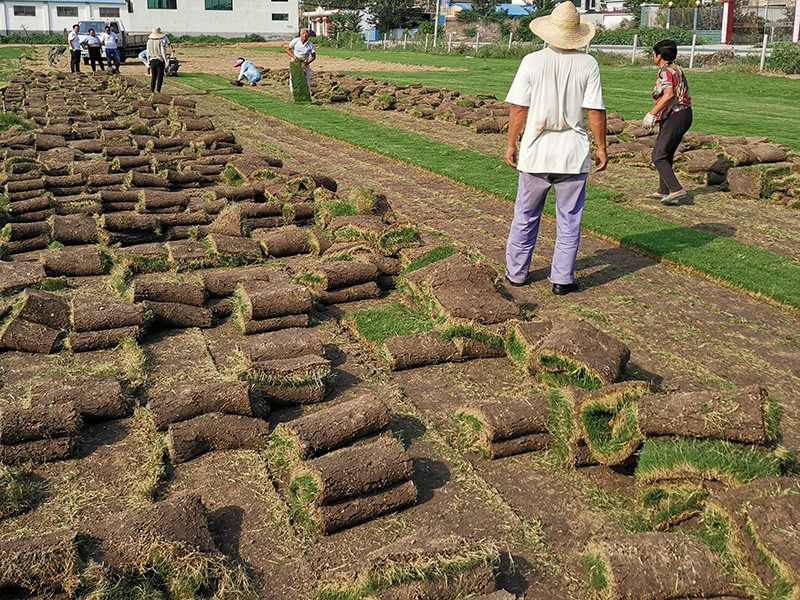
549, 93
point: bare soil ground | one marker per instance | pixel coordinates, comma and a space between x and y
685, 333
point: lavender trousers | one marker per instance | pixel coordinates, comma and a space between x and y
531, 193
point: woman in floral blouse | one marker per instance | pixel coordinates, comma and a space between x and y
672, 110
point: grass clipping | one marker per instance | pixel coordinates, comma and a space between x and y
455, 558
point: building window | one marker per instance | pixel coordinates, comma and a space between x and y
24, 11
172, 4
280, 0
219, 4
66, 11
109, 13
280, 16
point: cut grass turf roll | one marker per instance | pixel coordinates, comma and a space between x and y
175, 314
78, 261
235, 249
287, 343
354, 293
215, 431
670, 505
334, 426
41, 563
286, 241
222, 397
335, 275
504, 427
418, 350
16, 276
672, 459
159, 289
223, 282
567, 447
608, 421
44, 308
84, 341
288, 372
351, 471
74, 229
262, 300
772, 523
582, 352
737, 416
44, 421
523, 339
95, 397
95, 315
37, 451
655, 566
452, 566
273, 324
307, 393
26, 336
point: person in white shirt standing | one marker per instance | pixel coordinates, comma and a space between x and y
548, 96
302, 49
74, 43
109, 40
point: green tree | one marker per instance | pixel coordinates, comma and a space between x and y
484, 8
393, 14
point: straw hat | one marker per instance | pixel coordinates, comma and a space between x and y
238, 62
156, 34
564, 28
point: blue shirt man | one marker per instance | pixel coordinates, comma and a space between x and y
248, 71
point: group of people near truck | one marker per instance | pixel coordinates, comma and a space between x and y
93, 43
548, 139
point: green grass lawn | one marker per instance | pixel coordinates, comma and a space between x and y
722, 258
8, 60
724, 103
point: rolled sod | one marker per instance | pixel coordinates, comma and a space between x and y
22, 231
264, 223
25, 185
339, 274
215, 431
26, 336
354, 293
289, 372
190, 254
78, 261
454, 566
95, 315
463, 291
29, 244
74, 180
286, 241
262, 300
335, 426
18, 275
241, 248
506, 426
123, 541
578, 349
736, 416
175, 314
184, 219
679, 459
97, 340
95, 397
74, 229
105, 180
48, 563
357, 227
228, 222
273, 324
287, 343
229, 398
244, 192
37, 451
44, 308
772, 523
129, 222
158, 289
608, 421
223, 282
418, 350
469, 348
307, 393
43, 421
30, 202
655, 566
112, 196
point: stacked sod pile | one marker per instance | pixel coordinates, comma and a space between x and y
163, 546
340, 466
261, 306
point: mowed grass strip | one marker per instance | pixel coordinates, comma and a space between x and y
753, 269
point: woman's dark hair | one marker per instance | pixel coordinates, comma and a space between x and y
667, 49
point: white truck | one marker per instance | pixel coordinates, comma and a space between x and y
129, 44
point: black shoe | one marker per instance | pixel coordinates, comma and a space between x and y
514, 283
562, 289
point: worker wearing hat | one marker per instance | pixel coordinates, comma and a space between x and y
248, 72
548, 97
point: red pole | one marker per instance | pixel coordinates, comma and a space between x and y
727, 21
796, 28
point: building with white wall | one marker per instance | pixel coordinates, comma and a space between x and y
271, 19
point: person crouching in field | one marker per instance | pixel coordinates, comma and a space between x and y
249, 72
301, 49
157, 55
672, 110
551, 90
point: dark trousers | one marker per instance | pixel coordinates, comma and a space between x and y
156, 74
670, 133
74, 60
95, 57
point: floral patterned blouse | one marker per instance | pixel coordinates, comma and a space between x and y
671, 75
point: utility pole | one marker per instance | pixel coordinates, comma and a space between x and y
436, 22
